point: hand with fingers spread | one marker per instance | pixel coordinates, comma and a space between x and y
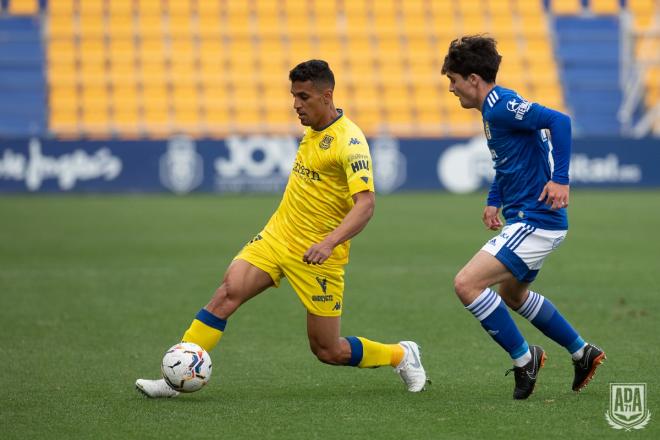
555, 194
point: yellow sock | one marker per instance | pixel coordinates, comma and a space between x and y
205, 330
376, 354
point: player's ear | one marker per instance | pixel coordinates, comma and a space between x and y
327, 96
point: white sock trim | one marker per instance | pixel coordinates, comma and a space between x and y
531, 306
485, 304
523, 360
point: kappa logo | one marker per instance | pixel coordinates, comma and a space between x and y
354, 141
337, 306
325, 142
628, 406
323, 282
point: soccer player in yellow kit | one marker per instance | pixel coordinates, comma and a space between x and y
329, 199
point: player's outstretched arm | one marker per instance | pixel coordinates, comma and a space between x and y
354, 222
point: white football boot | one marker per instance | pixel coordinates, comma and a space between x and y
410, 369
155, 388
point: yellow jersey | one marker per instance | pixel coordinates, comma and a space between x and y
331, 165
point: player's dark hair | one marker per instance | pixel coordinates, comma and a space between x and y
316, 71
473, 54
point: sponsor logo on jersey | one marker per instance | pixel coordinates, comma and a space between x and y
326, 141
322, 298
305, 172
487, 130
518, 107
360, 165
323, 282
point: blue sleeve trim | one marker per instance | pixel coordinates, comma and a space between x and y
211, 320
356, 351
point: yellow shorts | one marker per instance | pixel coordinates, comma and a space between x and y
319, 287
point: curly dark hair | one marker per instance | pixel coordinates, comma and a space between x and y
316, 71
473, 54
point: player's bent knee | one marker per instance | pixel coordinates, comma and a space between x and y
461, 285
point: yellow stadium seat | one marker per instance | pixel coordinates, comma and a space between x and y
92, 50
208, 27
299, 25
180, 27
237, 24
61, 7
530, 8
61, 27
90, 8
123, 8
91, 26
300, 49
23, 7
151, 26
64, 123
61, 51
149, 7
604, 6
63, 74
566, 7
121, 27
181, 8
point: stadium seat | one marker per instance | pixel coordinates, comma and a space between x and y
159, 59
24, 7
610, 7
565, 7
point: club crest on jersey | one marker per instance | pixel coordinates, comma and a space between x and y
326, 141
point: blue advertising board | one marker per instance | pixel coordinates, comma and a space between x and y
262, 164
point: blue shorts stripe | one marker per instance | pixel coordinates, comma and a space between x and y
211, 320
356, 351
515, 235
522, 237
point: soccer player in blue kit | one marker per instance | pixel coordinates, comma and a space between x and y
531, 189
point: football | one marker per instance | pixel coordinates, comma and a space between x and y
186, 367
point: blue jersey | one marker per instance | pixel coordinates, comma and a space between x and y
525, 158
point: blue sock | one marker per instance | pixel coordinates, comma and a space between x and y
545, 317
491, 311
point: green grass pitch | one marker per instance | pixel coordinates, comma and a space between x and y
94, 289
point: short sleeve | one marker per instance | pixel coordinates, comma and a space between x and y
355, 158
